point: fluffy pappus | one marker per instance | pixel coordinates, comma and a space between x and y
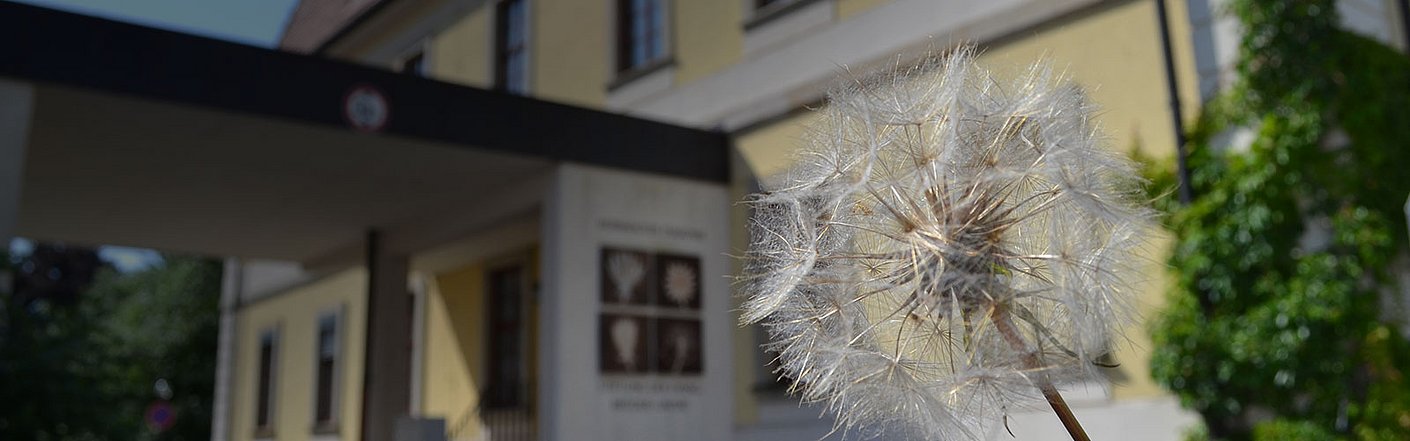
947, 246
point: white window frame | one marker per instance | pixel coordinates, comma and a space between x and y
270, 428
338, 315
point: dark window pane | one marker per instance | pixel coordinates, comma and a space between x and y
327, 356
642, 33
415, 65
265, 395
506, 377
511, 50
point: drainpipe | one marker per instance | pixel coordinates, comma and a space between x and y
1177, 119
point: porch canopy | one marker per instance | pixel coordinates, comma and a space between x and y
112, 133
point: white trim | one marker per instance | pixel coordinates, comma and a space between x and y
418, 282
642, 88
766, 37
274, 332
793, 74
261, 278
339, 315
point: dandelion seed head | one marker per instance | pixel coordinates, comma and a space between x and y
944, 242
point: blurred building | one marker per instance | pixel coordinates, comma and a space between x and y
420, 257
749, 69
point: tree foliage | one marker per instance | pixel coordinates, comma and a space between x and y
80, 363
1283, 258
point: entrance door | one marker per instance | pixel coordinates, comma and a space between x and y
507, 409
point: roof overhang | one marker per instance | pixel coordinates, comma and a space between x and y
150, 138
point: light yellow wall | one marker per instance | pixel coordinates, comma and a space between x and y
454, 348
571, 50
1134, 354
769, 150
464, 52
849, 8
1182, 46
1114, 52
295, 314
456, 342
709, 36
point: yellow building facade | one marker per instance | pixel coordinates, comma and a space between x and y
753, 70
290, 320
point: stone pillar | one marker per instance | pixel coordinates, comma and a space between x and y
16, 109
386, 383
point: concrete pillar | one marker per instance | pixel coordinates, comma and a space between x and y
589, 212
386, 383
230, 286
16, 110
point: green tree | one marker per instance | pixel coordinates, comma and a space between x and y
85, 368
165, 327
1276, 327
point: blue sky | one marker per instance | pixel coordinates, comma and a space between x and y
125, 259
252, 22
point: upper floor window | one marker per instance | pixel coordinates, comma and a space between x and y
414, 64
264, 396
511, 46
641, 33
325, 398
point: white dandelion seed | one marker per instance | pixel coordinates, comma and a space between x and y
947, 249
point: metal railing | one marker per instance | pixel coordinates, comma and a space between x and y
497, 424
510, 424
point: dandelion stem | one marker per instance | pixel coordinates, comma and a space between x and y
1004, 323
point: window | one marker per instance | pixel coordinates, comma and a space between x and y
511, 46
264, 397
414, 64
641, 33
508, 387
325, 404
